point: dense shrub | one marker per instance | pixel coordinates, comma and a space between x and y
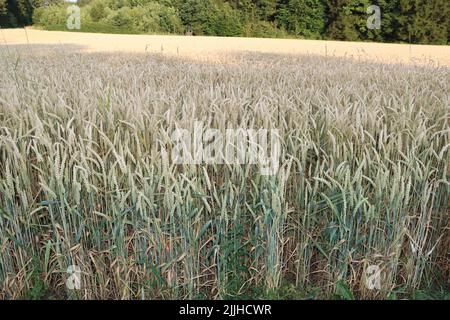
112, 16
154, 17
302, 18
97, 10
402, 21
200, 16
227, 22
263, 29
121, 18
51, 15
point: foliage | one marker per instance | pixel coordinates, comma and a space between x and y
304, 18
97, 10
263, 29
423, 21
412, 21
50, 16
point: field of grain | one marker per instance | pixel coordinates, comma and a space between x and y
211, 47
86, 179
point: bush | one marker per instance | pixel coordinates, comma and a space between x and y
51, 15
200, 16
97, 10
170, 21
154, 17
94, 27
263, 29
227, 22
121, 18
302, 18
210, 18
55, 17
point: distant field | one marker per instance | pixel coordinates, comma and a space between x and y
208, 47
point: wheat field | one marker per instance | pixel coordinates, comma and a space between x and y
212, 48
85, 178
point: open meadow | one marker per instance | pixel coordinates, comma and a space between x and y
89, 185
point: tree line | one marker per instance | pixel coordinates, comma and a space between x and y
414, 21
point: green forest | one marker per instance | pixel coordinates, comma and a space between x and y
404, 21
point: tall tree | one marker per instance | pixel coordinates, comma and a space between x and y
266, 9
347, 19
423, 21
4, 16
18, 13
247, 9
418, 21
302, 17
389, 15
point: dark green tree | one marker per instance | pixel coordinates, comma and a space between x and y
247, 10
302, 17
227, 21
18, 13
199, 15
266, 9
389, 14
4, 14
347, 19
423, 21
417, 21
98, 10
